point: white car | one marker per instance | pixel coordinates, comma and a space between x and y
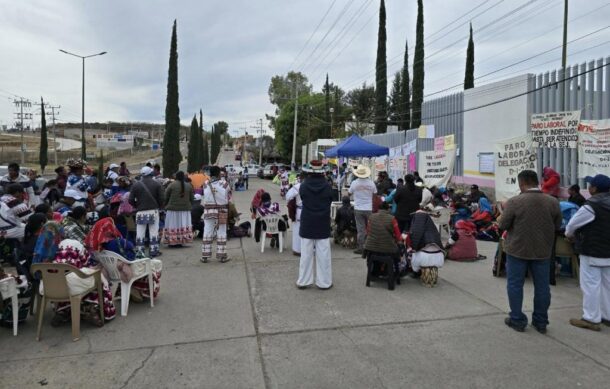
252, 169
236, 168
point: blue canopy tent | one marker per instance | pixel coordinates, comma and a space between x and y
355, 146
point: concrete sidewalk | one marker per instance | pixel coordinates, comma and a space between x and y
244, 324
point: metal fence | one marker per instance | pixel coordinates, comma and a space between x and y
587, 90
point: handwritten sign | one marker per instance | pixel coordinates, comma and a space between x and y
556, 130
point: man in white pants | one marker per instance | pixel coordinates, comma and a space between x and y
216, 195
316, 195
293, 193
589, 227
147, 196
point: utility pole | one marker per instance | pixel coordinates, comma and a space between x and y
19, 104
564, 54
294, 131
53, 108
260, 141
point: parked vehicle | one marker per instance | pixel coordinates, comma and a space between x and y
237, 168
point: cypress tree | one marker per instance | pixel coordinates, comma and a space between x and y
405, 94
193, 145
327, 125
171, 139
395, 99
100, 168
418, 67
381, 86
44, 143
213, 146
200, 141
469, 77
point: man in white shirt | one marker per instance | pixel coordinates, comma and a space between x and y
362, 189
589, 227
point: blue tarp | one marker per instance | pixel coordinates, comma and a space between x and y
355, 146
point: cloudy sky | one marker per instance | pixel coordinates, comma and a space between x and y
229, 50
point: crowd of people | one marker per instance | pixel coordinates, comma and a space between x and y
74, 215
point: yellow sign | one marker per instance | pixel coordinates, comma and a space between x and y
421, 132
450, 142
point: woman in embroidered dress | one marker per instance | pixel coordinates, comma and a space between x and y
178, 199
267, 208
77, 180
74, 224
73, 253
105, 236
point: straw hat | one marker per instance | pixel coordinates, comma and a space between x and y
362, 172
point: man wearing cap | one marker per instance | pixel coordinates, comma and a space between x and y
475, 195
590, 227
363, 189
14, 176
147, 196
316, 195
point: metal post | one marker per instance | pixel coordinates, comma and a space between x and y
294, 131
260, 154
82, 134
22, 144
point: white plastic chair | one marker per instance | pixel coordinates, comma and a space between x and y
272, 227
110, 260
8, 289
442, 220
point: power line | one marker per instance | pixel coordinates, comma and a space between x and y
312, 34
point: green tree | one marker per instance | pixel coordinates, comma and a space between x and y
43, 158
381, 82
418, 68
193, 146
395, 99
361, 102
282, 88
405, 94
171, 139
200, 146
327, 127
469, 77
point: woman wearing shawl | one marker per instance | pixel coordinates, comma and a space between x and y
256, 202
178, 199
47, 242
77, 181
425, 241
73, 253
105, 236
267, 208
482, 216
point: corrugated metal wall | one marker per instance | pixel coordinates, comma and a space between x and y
447, 116
589, 91
388, 140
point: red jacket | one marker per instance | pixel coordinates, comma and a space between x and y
550, 182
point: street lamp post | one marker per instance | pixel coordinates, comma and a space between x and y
83, 142
332, 111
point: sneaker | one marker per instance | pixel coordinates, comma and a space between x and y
582, 323
514, 326
204, 260
358, 251
540, 328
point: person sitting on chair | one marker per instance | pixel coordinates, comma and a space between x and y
425, 240
345, 223
267, 208
382, 234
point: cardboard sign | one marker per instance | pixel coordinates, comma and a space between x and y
593, 147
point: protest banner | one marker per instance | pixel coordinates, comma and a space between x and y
439, 144
556, 130
436, 168
593, 147
409, 147
412, 163
512, 156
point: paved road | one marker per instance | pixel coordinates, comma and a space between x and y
243, 324
63, 143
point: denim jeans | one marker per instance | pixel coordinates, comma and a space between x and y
516, 269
